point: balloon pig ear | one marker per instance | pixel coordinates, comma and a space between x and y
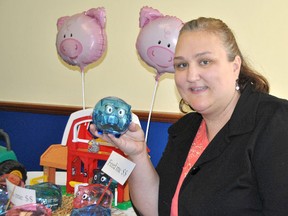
61, 21
99, 14
148, 14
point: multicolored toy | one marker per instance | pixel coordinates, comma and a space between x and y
47, 194
29, 209
8, 159
91, 210
100, 177
3, 198
93, 194
112, 115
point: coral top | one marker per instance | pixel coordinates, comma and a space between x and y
198, 146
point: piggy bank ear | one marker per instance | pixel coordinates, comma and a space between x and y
147, 14
99, 14
61, 21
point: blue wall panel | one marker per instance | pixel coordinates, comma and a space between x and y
157, 139
31, 134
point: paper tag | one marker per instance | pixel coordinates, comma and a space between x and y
118, 167
20, 195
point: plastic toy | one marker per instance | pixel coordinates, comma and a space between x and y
91, 210
93, 194
102, 178
14, 179
47, 194
112, 115
8, 159
3, 198
81, 163
29, 209
51, 160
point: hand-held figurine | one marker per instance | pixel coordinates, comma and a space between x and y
112, 115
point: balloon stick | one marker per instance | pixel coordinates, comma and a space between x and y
151, 107
83, 88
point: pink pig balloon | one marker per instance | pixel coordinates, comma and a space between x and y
81, 38
157, 39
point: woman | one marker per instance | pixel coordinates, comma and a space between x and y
230, 156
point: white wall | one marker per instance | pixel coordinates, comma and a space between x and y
32, 72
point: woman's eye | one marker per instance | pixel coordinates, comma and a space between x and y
180, 65
204, 62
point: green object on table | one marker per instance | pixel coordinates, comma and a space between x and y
124, 205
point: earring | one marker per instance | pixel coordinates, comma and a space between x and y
237, 87
183, 104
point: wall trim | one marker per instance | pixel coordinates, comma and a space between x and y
67, 110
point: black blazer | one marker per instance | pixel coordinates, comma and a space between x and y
244, 169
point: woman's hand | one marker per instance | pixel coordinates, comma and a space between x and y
132, 142
143, 179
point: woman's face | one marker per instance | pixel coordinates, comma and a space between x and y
203, 75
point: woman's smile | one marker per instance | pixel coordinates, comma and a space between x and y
198, 89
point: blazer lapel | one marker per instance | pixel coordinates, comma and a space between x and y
242, 121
